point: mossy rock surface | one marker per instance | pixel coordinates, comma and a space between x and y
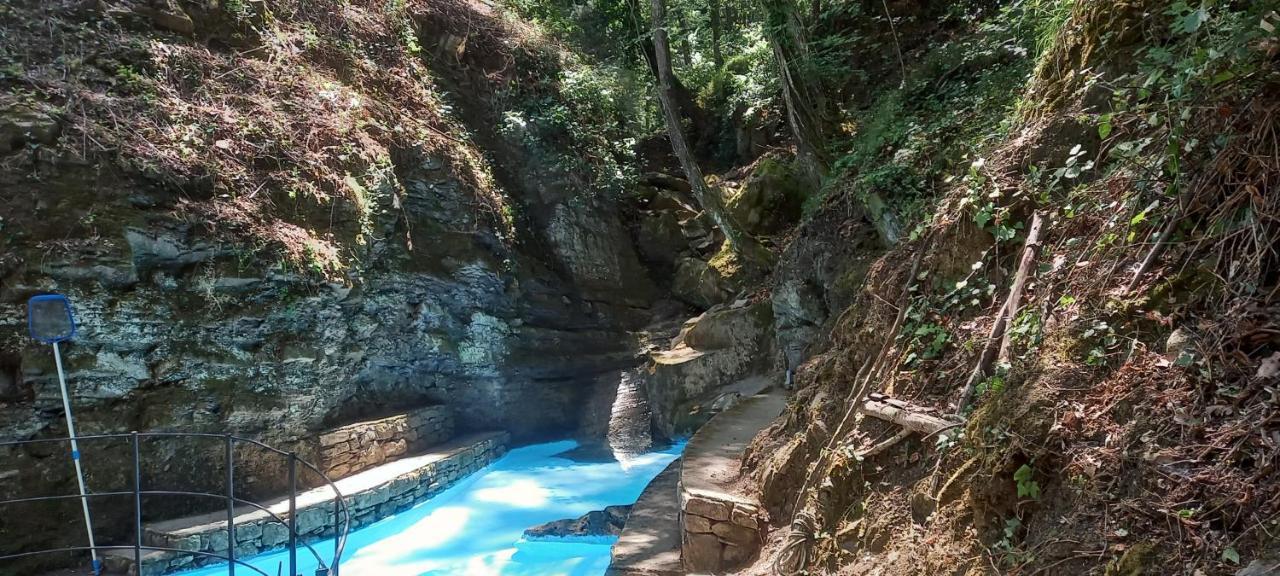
771, 199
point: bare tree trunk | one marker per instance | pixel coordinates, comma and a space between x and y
995, 340
716, 56
804, 114
686, 48
744, 245
689, 108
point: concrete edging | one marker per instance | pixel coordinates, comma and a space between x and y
370, 496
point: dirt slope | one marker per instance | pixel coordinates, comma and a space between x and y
1133, 427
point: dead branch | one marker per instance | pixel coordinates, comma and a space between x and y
887, 444
996, 340
1156, 250
910, 418
1019, 281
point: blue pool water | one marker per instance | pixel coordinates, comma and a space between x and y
475, 527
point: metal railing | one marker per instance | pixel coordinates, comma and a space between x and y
341, 514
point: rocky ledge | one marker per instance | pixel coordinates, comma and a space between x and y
607, 523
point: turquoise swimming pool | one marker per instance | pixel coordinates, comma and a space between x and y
475, 527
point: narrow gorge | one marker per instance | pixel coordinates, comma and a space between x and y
641, 288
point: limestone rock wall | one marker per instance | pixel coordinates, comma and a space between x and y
818, 275
701, 372
363, 445
183, 331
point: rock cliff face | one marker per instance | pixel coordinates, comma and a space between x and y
274, 222
716, 359
192, 320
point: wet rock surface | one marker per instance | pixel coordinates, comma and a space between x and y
597, 523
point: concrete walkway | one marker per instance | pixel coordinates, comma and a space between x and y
650, 543
708, 472
712, 458
722, 523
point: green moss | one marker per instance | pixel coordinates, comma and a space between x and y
1136, 561
727, 263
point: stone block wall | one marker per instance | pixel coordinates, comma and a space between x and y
257, 533
356, 447
719, 532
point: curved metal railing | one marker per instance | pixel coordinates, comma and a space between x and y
341, 514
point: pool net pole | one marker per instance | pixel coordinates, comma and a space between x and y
75, 459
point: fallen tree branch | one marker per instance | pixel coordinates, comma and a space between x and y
910, 418
887, 444
1020, 280
1153, 254
996, 340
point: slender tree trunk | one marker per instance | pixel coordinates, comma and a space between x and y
716, 56
804, 113
744, 245
686, 48
689, 108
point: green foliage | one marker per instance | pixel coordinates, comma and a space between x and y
1013, 554
1024, 477
924, 335
1100, 338
1207, 51
957, 100
583, 119
984, 196
1027, 329
1192, 63
240, 10
747, 81
928, 341
130, 81
1046, 18
994, 385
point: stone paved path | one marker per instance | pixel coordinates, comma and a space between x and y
712, 458
650, 542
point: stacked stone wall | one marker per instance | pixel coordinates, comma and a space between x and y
719, 532
363, 445
258, 532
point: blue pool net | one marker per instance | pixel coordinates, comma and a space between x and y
49, 318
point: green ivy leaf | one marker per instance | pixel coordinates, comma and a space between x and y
1230, 554
1104, 126
984, 215
1192, 22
